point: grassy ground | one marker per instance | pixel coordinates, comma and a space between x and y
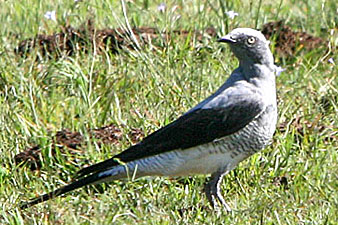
294, 181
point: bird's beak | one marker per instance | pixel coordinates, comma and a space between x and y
227, 39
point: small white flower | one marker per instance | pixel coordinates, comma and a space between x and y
50, 15
162, 7
279, 70
331, 60
231, 14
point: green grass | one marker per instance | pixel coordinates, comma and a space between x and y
150, 88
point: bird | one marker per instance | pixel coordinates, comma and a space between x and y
236, 121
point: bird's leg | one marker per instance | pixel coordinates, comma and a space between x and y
213, 190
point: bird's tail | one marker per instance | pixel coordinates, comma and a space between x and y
91, 179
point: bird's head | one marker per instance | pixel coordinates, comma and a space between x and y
249, 46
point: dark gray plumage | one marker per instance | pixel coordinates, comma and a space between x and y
238, 120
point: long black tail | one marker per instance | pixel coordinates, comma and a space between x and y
94, 178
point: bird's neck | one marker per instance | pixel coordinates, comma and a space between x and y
254, 71
262, 76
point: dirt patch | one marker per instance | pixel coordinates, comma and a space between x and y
289, 42
88, 38
31, 156
68, 141
110, 134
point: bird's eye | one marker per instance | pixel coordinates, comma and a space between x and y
251, 40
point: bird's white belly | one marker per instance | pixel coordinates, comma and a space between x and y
204, 159
199, 162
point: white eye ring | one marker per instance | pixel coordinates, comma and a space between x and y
251, 40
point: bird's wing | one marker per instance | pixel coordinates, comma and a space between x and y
203, 125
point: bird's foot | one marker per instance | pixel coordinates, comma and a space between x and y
213, 191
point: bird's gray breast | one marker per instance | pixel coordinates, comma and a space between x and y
253, 137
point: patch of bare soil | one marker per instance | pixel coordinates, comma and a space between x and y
69, 141
87, 37
287, 41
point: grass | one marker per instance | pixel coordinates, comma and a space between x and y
150, 88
